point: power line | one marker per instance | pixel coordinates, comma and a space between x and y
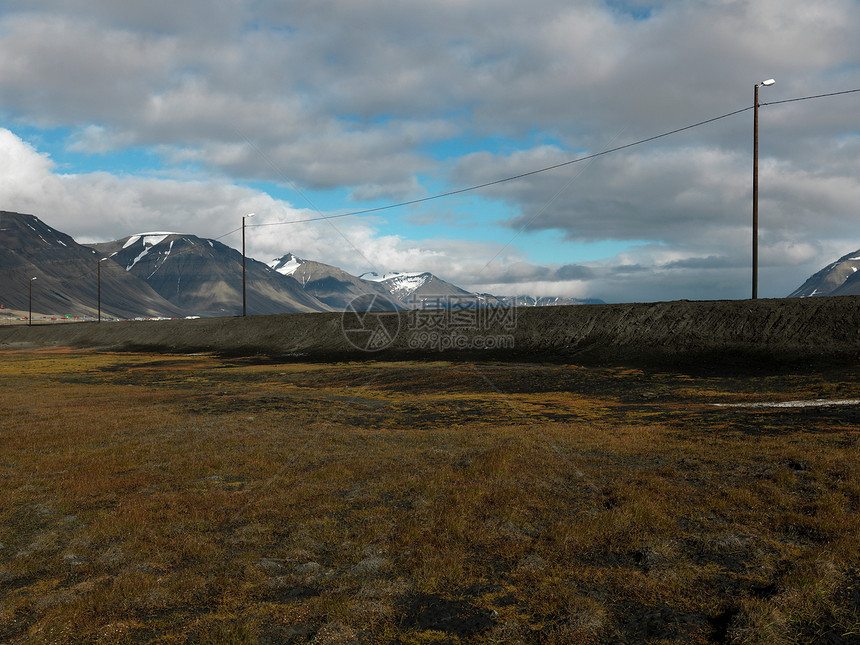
806, 98
460, 191
495, 182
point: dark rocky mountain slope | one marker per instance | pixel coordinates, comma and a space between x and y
67, 275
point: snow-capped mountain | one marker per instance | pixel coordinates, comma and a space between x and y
407, 290
425, 290
840, 278
204, 277
419, 289
331, 285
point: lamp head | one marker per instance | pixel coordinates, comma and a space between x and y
31, 279
250, 215
768, 82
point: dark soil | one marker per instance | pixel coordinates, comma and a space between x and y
456, 617
744, 335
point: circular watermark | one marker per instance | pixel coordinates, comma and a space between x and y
370, 322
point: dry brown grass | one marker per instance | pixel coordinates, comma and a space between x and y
195, 499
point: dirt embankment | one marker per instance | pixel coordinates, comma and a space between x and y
746, 332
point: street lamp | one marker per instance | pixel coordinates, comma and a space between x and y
244, 217
766, 83
100, 288
30, 317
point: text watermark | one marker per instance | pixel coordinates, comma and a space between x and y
436, 323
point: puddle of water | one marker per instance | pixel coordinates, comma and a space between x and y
814, 403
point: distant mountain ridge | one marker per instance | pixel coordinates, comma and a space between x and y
169, 274
407, 290
840, 278
420, 290
331, 285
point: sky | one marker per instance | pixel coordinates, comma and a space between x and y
126, 117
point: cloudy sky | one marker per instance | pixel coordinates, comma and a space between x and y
125, 117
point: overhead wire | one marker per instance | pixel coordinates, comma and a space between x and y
806, 98
503, 180
488, 184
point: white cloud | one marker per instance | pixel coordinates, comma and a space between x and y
100, 206
96, 207
26, 179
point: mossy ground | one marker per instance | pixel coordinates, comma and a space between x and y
197, 499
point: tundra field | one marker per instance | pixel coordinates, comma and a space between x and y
176, 498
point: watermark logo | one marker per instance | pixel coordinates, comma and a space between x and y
460, 322
370, 322
437, 323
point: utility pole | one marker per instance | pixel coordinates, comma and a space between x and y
100, 288
244, 308
30, 316
768, 82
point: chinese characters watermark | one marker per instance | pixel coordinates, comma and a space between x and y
437, 323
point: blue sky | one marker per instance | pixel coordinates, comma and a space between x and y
119, 118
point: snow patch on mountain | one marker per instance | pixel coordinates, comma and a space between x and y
405, 285
149, 239
373, 276
399, 284
285, 265
165, 254
137, 259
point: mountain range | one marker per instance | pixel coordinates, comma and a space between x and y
41, 266
172, 275
331, 285
168, 274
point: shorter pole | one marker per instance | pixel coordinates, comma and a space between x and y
755, 198
243, 267
30, 316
